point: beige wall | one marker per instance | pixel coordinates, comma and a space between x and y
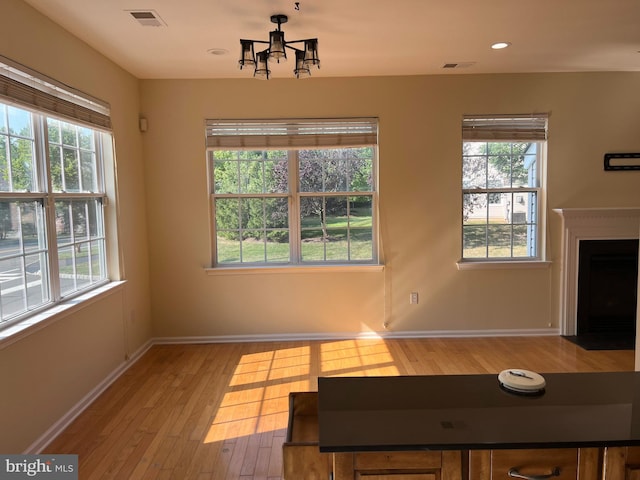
420, 199
45, 375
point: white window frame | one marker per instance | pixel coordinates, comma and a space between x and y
293, 135
45, 98
530, 128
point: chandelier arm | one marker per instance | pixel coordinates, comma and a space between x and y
292, 48
302, 41
254, 41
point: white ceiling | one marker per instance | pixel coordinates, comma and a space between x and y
361, 37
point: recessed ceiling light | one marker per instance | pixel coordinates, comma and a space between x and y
217, 51
500, 45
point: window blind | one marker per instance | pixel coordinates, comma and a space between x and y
22, 86
527, 128
271, 134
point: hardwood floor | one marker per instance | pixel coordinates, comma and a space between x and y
219, 411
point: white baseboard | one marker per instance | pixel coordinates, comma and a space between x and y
57, 428
47, 437
285, 337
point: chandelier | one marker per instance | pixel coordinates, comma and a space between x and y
277, 51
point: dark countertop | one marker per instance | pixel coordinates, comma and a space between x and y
445, 412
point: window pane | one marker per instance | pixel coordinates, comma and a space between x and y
276, 213
278, 246
474, 208
85, 137
17, 147
66, 266
520, 241
22, 275
276, 176
55, 160
499, 240
70, 178
474, 241
251, 177
32, 225
336, 245
228, 247
310, 172
21, 227
252, 211
64, 223
227, 211
20, 122
81, 243
98, 260
361, 169
361, 244
250, 172
474, 171
361, 228
253, 246
312, 245
336, 170
73, 157
336, 212
226, 176
22, 165
88, 168
251, 230
311, 212
83, 265
13, 291
37, 274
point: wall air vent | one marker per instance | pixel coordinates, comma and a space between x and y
147, 18
459, 65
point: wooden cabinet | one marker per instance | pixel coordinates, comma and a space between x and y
622, 463
555, 464
400, 476
426, 465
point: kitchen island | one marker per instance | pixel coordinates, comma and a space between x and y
450, 427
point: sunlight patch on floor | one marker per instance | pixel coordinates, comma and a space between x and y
356, 358
257, 399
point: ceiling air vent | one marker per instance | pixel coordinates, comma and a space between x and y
459, 65
147, 18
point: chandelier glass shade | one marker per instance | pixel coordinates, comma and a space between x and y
306, 57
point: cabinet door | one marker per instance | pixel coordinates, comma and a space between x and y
554, 464
622, 463
399, 476
423, 465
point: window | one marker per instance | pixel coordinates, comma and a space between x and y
293, 192
52, 193
502, 161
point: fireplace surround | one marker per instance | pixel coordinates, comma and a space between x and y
587, 224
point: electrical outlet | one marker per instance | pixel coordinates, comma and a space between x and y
413, 298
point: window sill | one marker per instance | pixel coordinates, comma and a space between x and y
506, 264
294, 269
38, 321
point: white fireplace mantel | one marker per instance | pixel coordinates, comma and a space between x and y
588, 224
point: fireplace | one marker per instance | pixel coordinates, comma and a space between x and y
581, 225
607, 287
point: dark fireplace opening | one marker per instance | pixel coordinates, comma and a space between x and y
608, 290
